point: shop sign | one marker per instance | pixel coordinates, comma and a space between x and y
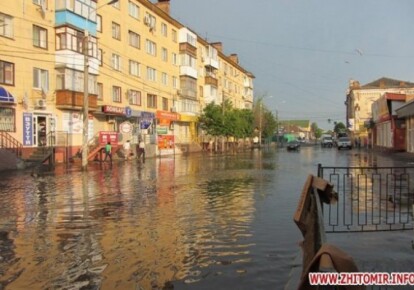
27, 129
167, 115
108, 136
165, 141
146, 123
162, 130
128, 111
125, 127
113, 110
147, 115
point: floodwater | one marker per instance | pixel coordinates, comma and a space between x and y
203, 221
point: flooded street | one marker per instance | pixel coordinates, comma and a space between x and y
203, 221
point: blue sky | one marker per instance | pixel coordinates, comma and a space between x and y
304, 52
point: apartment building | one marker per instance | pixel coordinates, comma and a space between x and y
145, 74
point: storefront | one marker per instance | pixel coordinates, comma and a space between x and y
165, 132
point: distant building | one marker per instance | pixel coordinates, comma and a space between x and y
359, 100
300, 128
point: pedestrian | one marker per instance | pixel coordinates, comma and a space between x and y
141, 151
127, 150
108, 152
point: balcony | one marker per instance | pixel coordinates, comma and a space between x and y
211, 80
185, 47
66, 99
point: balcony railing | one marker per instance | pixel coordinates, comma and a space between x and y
74, 100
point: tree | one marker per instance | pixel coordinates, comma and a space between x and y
317, 132
339, 128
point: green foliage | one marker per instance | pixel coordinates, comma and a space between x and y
339, 128
219, 120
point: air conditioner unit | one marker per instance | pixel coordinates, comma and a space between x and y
147, 20
41, 103
173, 109
42, 8
179, 92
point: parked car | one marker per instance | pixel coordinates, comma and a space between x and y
344, 142
327, 141
293, 145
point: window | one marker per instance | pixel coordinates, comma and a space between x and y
150, 21
116, 62
99, 23
116, 94
164, 54
151, 47
6, 73
151, 74
174, 82
70, 39
41, 79
164, 78
6, 27
39, 2
117, 4
174, 35
165, 104
133, 10
134, 39
39, 37
164, 29
152, 101
100, 53
134, 97
134, 68
100, 91
174, 59
116, 31
7, 119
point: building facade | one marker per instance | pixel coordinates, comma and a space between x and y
146, 76
359, 100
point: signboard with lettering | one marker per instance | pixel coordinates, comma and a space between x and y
165, 142
27, 129
125, 127
113, 110
108, 136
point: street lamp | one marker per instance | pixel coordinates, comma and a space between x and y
85, 150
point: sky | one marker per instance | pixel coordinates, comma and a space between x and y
303, 53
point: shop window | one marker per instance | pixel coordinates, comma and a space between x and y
7, 119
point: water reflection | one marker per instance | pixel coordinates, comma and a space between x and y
190, 222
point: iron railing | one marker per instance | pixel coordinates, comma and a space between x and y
369, 198
9, 143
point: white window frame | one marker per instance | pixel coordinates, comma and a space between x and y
134, 68
164, 79
116, 94
151, 47
116, 62
41, 79
116, 31
100, 89
134, 97
39, 36
6, 27
164, 54
164, 29
174, 82
134, 39
174, 58
133, 10
151, 74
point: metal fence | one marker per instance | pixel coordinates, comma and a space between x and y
369, 198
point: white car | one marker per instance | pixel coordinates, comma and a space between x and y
344, 142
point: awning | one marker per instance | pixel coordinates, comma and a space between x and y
5, 96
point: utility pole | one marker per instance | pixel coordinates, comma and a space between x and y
85, 150
260, 124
